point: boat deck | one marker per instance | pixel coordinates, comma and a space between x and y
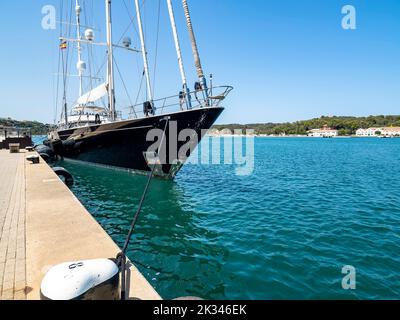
43, 224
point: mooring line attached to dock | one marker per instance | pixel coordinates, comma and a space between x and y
122, 256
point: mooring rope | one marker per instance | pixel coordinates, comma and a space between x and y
122, 256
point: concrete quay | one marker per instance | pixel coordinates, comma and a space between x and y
43, 224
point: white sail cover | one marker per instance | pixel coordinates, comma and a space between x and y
93, 95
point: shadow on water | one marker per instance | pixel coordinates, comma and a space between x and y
168, 245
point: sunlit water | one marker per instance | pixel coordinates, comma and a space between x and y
311, 207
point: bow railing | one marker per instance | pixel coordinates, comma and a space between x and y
212, 97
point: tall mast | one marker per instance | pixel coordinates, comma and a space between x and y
179, 53
144, 52
65, 106
195, 50
64, 99
110, 68
80, 64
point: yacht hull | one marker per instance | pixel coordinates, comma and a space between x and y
125, 144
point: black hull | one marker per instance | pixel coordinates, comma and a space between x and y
124, 144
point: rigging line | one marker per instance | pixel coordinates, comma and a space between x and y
146, 189
122, 256
101, 67
91, 62
97, 74
156, 51
144, 17
140, 72
92, 13
144, 26
140, 90
132, 22
141, 77
65, 67
68, 60
58, 71
85, 15
88, 46
90, 55
131, 18
90, 58
126, 30
65, 62
123, 83
62, 57
64, 85
57, 89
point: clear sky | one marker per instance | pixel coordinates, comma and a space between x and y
287, 59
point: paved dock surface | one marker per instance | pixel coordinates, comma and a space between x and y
12, 226
43, 224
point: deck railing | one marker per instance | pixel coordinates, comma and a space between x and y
212, 97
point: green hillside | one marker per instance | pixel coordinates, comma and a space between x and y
36, 128
345, 125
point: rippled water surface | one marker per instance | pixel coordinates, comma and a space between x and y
311, 207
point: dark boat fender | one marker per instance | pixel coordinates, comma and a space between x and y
45, 157
44, 149
59, 147
68, 145
45, 152
64, 175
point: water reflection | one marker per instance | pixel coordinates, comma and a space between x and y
176, 254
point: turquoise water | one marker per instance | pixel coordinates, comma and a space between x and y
311, 207
38, 139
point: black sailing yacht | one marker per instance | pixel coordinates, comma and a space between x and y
94, 132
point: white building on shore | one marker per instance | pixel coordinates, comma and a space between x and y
324, 132
370, 132
391, 132
379, 132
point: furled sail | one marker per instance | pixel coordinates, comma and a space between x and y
93, 95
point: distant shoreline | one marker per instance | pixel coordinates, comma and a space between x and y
346, 126
293, 136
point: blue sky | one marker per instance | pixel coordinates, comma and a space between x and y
287, 59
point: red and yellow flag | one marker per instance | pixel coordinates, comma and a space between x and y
63, 45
